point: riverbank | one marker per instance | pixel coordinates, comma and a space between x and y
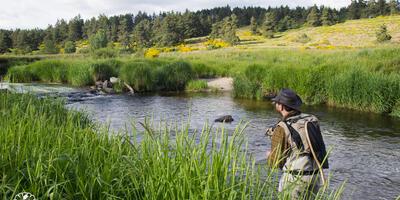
63, 154
363, 79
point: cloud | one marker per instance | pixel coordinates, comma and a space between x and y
41, 13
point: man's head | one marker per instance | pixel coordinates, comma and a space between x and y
287, 101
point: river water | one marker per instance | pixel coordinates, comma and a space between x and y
365, 147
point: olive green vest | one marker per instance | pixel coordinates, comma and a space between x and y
298, 158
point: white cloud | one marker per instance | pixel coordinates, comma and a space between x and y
40, 13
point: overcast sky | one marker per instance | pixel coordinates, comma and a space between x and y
40, 13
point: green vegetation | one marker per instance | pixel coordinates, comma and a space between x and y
196, 85
131, 32
382, 34
63, 155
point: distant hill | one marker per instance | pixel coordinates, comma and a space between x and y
352, 33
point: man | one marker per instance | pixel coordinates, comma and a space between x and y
293, 151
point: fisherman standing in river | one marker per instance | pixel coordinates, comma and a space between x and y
297, 147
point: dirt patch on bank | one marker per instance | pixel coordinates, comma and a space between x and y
222, 84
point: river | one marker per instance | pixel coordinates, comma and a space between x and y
365, 146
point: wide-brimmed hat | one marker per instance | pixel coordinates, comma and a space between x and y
288, 98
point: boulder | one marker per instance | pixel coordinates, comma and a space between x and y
225, 119
114, 80
107, 84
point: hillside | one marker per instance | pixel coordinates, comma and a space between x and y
348, 35
352, 33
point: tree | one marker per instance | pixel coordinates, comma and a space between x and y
69, 47
99, 40
49, 46
169, 32
327, 17
230, 27
382, 35
142, 34
313, 18
75, 28
269, 24
394, 7
382, 7
124, 33
354, 10
5, 41
253, 25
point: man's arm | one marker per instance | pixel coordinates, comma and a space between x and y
277, 155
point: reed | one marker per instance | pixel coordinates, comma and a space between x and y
55, 153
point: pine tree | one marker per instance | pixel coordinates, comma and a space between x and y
372, 8
382, 34
253, 25
142, 34
269, 24
327, 17
353, 10
5, 41
313, 18
382, 7
394, 7
230, 27
124, 34
75, 29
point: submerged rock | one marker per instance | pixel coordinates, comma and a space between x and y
226, 119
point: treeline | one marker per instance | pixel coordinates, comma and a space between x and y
172, 28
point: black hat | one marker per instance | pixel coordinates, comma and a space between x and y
288, 98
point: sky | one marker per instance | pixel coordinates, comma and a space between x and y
41, 13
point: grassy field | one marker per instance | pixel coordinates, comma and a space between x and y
55, 153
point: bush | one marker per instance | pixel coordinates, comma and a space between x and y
303, 38
105, 53
174, 76
152, 53
69, 47
98, 41
139, 75
382, 35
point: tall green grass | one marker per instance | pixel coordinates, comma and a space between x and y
55, 153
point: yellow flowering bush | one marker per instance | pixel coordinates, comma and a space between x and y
183, 48
152, 53
215, 44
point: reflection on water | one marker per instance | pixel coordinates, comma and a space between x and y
366, 147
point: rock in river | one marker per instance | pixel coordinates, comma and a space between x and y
226, 118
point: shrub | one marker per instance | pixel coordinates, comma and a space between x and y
69, 47
152, 53
382, 35
215, 44
174, 76
139, 75
183, 48
98, 41
303, 38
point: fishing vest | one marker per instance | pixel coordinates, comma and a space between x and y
299, 157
